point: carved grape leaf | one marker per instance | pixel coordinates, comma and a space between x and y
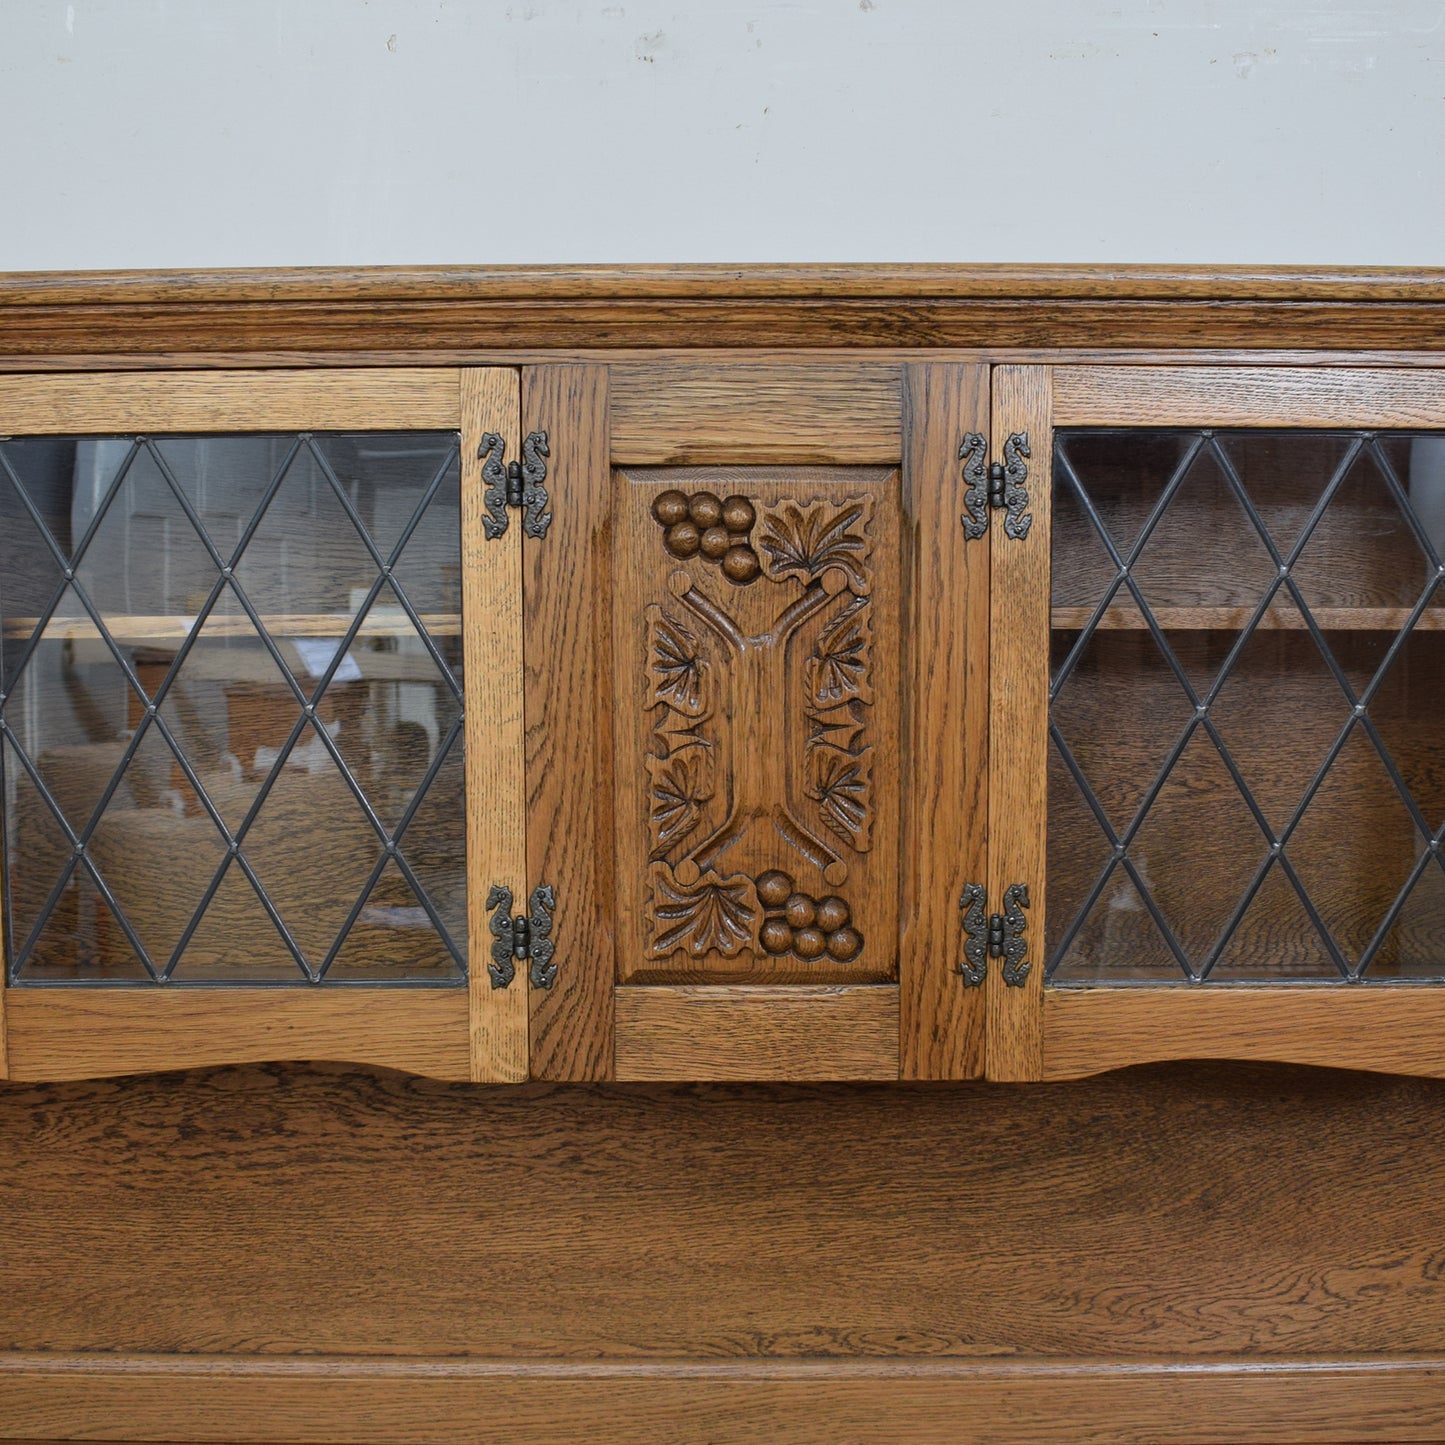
680, 785
810, 538
838, 669
714, 915
675, 664
842, 786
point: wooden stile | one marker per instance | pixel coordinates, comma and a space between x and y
941, 1021
496, 783
568, 751
1019, 720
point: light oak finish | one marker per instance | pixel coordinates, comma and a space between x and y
496, 779
135, 630
567, 714
1019, 719
1128, 618
757, 1032
1252, 396
451, 314
380, 399
941, 1022
811, 282
1396, 1029
1185, 1212
675, 412
320, 1401
901, 354
757, 725
1088, 1029
727, 1228
756, 720
74, 1033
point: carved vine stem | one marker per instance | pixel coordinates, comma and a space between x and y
760, 681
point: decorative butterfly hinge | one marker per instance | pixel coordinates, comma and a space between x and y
517, 484
996, 935
1002, 485
523, 938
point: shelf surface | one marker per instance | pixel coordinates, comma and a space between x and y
141, 631
1235, 619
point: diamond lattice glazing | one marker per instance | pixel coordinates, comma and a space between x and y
231, 717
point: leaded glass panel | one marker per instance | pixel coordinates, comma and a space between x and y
231, 709
1247, 707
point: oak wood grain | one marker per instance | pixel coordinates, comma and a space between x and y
142, 630
1128, 618
1186, 1212
1279, 715
567, 714
998, 354
1391, 1029
757, 1032
941, 1022
757, 724
70, 1033
496, 757
1247, 396
808, 281
208, 401
1204, 551
431, 313
1019, 719
697, 1402
678, 411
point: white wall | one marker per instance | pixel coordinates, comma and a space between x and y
305, 132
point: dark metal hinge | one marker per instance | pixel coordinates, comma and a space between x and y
517, 484
523, 937
1002, 485
996, 935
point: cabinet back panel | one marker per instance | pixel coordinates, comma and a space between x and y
1180, 1210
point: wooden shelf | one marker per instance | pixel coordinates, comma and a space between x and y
1234, 619
141, 631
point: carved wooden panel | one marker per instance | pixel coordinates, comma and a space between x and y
757, 725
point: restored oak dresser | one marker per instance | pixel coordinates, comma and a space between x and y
752, 714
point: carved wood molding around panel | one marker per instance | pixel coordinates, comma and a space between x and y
757, 819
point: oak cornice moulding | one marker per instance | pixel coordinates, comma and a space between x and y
446, 314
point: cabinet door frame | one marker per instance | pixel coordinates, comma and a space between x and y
459, 1032
1082, 1030
721, 411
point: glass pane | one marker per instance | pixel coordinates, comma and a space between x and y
1248, 707
232, 743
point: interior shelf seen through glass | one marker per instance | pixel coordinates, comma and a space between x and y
231, 709
1247, 716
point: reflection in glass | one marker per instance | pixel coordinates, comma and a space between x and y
1247, 720
232, 744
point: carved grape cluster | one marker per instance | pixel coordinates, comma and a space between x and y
719, 530
806, 926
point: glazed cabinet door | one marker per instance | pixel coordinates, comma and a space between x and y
756, 712
260, 721
1244, 725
